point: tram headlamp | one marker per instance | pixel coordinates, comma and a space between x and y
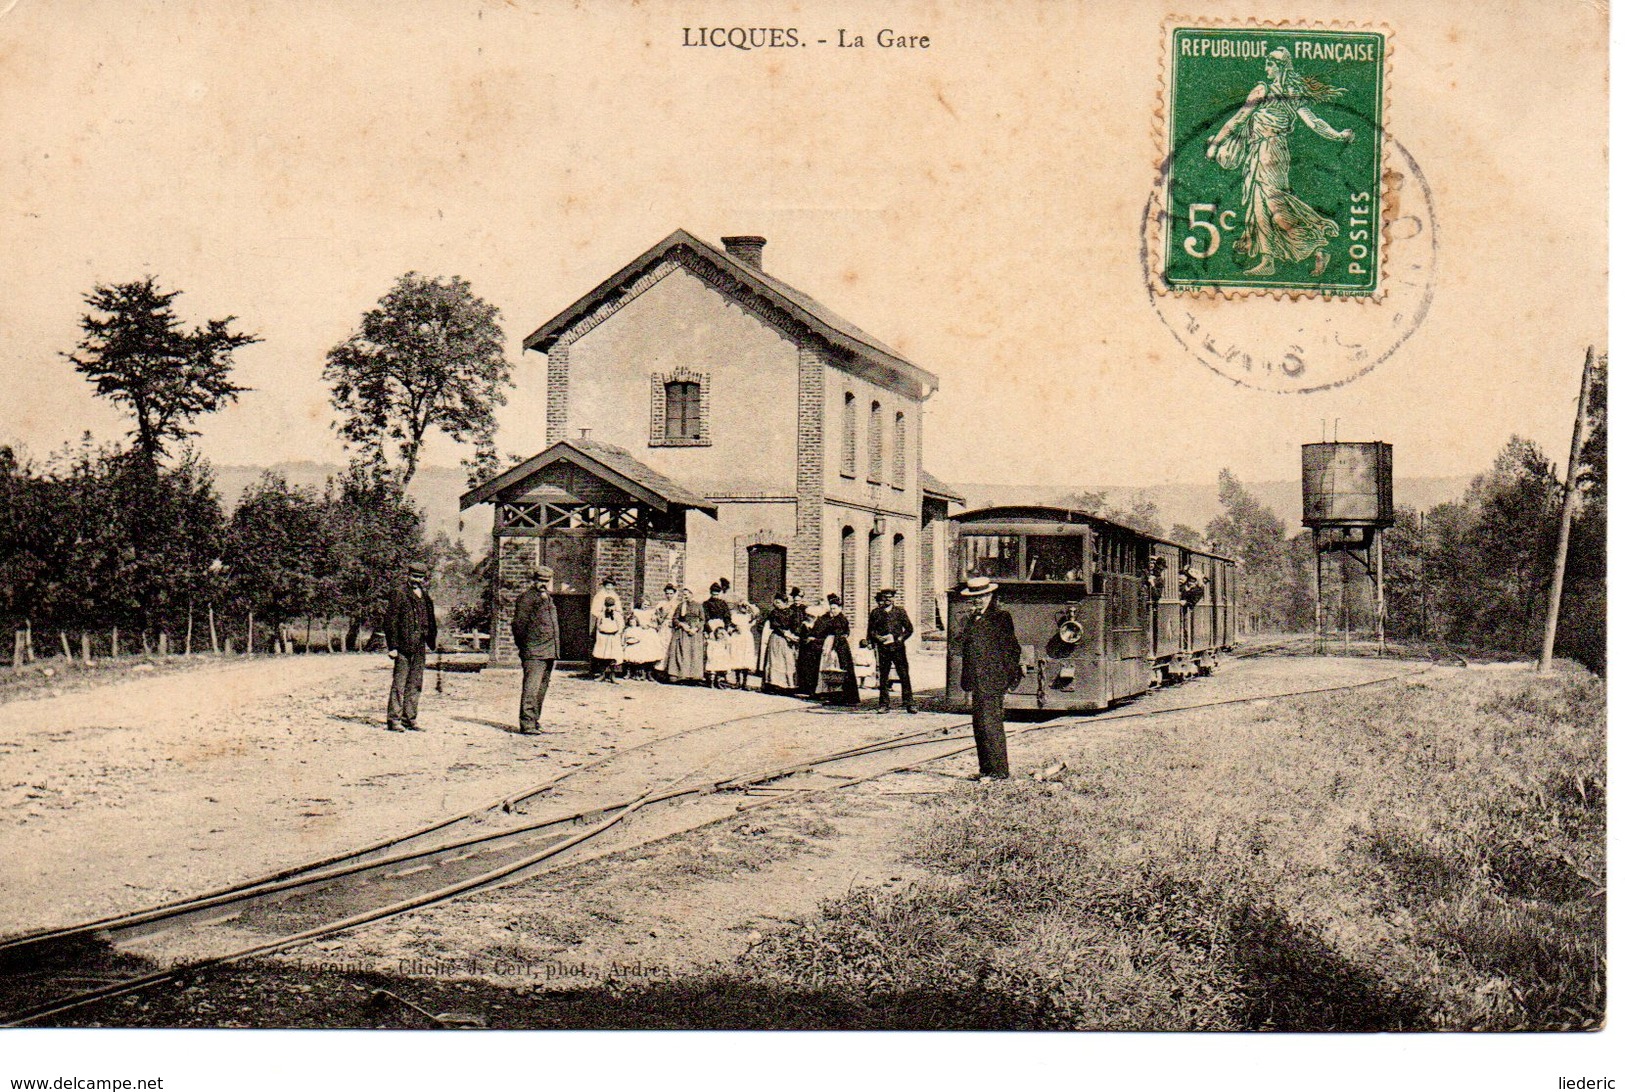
1070, 632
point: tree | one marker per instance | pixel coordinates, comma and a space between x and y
429, 356
69, 534
1143, 516
1405, 575
1486, 559
1090, 502
275, 550
1249, 531
1186, 536
137, 353
374, 533
462, 585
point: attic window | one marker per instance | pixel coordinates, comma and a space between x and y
679, 409
682, 411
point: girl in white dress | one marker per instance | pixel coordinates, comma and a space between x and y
645, 642
608, 649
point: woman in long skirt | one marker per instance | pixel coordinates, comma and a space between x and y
808, 649
664, 611
779, 640
685, 654
838, 682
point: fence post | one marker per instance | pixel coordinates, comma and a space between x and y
28, 639
214, 638
67, 653
16, 649
163, 642
188, 629
84, 647
115, 643
251, 633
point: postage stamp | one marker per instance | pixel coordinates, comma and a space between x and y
1274, 161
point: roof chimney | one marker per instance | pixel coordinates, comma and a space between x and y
745, 248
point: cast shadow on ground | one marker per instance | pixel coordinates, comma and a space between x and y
1285, 980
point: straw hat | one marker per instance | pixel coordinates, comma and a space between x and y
978, 586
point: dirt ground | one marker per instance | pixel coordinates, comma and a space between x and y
168, 784
164, 782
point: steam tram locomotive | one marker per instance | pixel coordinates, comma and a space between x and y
1102, 611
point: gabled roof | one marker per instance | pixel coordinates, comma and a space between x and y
805, 310
933, 486
614, 465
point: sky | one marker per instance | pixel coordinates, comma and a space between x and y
976, 204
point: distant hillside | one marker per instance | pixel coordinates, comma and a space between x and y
436, 489
1196, 505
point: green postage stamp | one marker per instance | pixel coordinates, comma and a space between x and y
1274, 161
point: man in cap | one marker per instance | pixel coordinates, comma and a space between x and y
536, 636
889, 631
409, 632
990, 659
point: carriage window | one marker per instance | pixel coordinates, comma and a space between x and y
1058, 558
995, 556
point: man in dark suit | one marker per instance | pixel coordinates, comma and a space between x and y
410, 632
889, 631
536, 635
990, 658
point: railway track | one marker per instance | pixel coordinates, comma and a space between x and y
394, 844
41, 972
1304, 645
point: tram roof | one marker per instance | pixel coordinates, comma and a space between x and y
1035, 518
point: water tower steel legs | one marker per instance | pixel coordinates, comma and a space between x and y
1379, 597
1315, 544
1372, 561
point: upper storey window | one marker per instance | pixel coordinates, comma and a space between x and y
680, 409
849, 435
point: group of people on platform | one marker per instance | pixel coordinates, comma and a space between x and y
722, 640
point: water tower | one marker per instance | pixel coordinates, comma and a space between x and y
1348, 501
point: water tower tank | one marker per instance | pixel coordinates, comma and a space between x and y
1348, 485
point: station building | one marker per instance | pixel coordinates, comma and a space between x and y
705, 419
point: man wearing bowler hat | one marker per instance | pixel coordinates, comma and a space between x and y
536, 636
409, 631
990, 658
889, 631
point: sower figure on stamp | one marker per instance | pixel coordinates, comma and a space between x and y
889, 631
991, 658
536, 635
409, 631
1277, 223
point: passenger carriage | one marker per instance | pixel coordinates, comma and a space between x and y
1099, 617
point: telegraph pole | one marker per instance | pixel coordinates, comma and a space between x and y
1571, 497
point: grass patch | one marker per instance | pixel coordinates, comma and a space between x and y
1421, 856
